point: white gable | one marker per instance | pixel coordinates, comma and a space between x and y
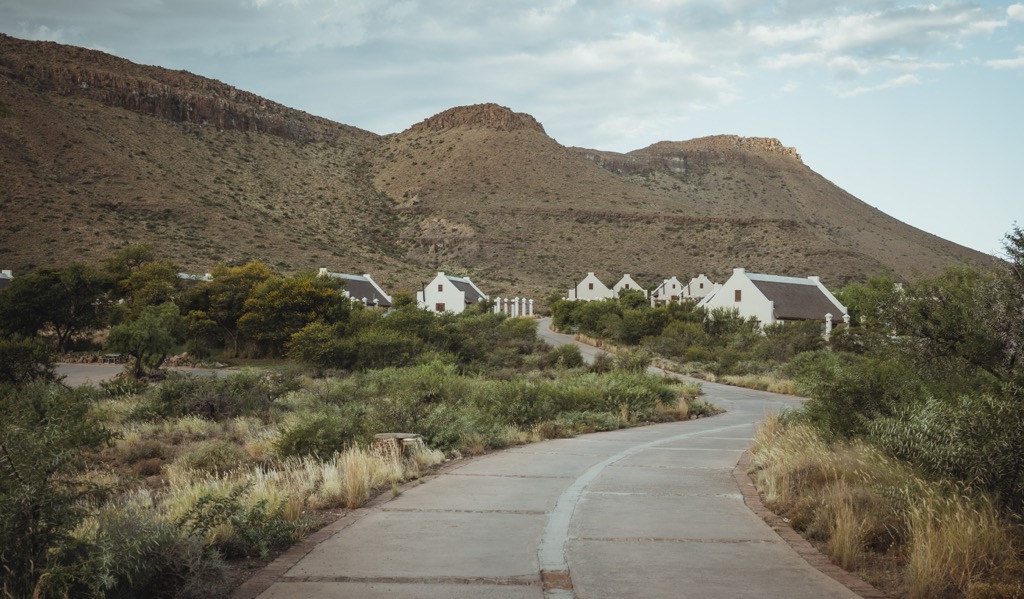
589, 289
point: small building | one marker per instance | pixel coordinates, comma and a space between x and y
449, 294
361, 288
670, 290
187, 276
6, 277
699, 287
590, 289
627, 282
772, 298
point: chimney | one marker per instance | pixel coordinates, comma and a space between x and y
322, 273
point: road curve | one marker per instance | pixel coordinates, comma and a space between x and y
643, 512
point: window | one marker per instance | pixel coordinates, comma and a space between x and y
440, 287
673, 285
739, 295
439, 307
702, 285
590, 285
627, 285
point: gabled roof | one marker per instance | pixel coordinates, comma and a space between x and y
796, 298
463, 284
362, 288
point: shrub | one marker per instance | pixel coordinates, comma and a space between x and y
254, 530
976, 440
847, 391
44, 434
320, 433
563, 356
247, 393
25, 359
214, 457
135, 553
635, 360
385, 347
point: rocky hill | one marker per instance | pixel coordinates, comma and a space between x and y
97, 152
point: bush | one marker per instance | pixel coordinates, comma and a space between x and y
636, 360
134, 553
255, 531
320, 433
214, 398
213, 457
385, 347
976, 440
25, 359
847, 391
562, 356
44, 435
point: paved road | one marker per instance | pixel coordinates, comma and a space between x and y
76, 375
645, 512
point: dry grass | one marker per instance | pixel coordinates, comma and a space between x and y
868, 508
761, 382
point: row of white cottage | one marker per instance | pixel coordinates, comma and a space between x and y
445, 293
768, 298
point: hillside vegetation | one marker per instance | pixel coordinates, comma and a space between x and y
97, 153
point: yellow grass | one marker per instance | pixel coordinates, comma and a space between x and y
761, 382
942, 540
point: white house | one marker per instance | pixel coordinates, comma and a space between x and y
361, 288
589, 289
772, 298
670, 290
6, 277
449, 294
627, 282
699, 287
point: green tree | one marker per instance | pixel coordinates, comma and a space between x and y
25, 359
68, 301
222, 300
150, 284
279, 308
147, 339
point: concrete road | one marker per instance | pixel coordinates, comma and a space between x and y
645, 512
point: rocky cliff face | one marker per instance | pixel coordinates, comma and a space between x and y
486, 116
174, 95
679, 157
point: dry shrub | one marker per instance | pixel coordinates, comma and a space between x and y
761, 382
947, 542
953, 539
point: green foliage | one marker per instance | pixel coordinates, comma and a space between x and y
255, 530
65, 300
215, 398
134, 553
25, 359
216, 456
637, 360
147, 339
44, 433
975, 440
847, 391
280, 307
222, 301
321, 433
380, 347
562, 356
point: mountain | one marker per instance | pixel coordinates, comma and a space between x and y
97, 152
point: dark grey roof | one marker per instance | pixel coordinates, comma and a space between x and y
798, 301
360, 289
472, 296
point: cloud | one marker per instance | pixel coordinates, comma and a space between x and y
901, 81
1006, 63
1015, 12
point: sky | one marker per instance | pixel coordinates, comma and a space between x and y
915, 108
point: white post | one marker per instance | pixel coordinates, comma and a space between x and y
497, 306
515, 307
828, 325
846, 319
530, 309
505, 309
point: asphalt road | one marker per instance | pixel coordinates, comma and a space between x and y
645, 512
